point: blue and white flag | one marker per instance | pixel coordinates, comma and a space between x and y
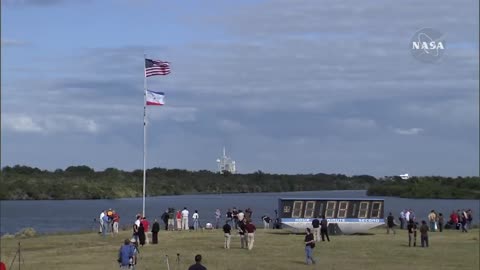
155, 98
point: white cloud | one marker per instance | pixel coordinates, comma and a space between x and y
230, 125
49, 124
358, 123
13, 42
21, 123
168, 112
409, 131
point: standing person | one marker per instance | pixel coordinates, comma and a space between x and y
463, 221
248, 213
102, 214
242, 230
424, 233
116, 221
198, 264
171, 219
155, 230
218, 215
407, 215
309, 245
250, 234
390, 223
469, 218
146, 226
266, 222
135, 227
316, 229
432, 217
195, 218
165, 218
110, 219
141, 234
125, 254
185, 219
235, 217
324, 228
412, 233
229, 216
441, 221
106, 223
412, 214
459, 215
402, 220
179, 220
227, 233
454, 219
240, 215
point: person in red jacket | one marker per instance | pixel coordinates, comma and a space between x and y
454, 219
178, 217
2, 266
146, 226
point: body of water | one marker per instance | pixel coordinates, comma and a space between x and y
78, 215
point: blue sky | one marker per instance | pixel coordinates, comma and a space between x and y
287, 86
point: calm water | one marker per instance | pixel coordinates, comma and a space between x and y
78, 215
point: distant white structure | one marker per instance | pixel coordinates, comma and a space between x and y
404, 176
226, 164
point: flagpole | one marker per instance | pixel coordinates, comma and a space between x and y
144, 133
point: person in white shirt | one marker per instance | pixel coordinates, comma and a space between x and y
101, 221
137, 221
407, 216
195, 217
185, 219
241, 215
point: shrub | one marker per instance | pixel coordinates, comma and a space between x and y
26, 233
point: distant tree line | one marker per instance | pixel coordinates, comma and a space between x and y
83, 182
427, 187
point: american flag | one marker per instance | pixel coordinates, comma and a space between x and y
156, 67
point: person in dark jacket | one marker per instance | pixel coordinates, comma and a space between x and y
441, 221
227, 233
316, 229
155, 230
424, 233
198, 264
412, 233
324, 228
242, 231
165, 216
390, 223
309, 245
141, 234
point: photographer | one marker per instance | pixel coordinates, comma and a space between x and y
125, 255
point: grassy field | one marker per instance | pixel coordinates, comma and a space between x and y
273, 249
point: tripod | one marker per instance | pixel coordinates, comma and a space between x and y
168, 262
94, 225
20, 259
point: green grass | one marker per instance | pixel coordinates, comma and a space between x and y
273, 249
